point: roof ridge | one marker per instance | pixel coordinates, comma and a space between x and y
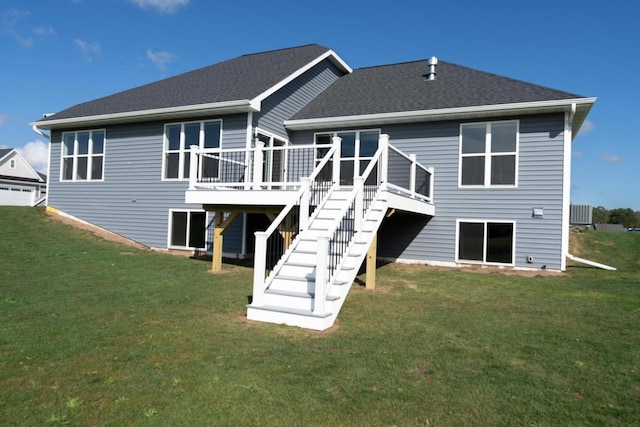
283, 49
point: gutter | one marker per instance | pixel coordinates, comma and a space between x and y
441, 114
228, 107
591, 263
37, 130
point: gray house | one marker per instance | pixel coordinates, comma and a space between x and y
310, 167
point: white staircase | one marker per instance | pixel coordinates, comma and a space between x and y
290, 293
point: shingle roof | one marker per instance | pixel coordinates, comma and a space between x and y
5, 151
244, 77
403, 87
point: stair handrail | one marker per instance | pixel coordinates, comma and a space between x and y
259, 267
413, 175
326, 263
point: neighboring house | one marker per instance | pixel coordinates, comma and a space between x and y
20, 185
422, 161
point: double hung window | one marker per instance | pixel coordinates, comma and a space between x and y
178, 139
489, 154
83, 155
486, 242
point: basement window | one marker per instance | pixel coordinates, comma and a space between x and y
485, 242
187, 229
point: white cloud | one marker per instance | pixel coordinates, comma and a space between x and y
3, 119
37, 154
587, 127
164, 6
10, 24
610, 158
45, 31
88, 49
160, 59
576, 153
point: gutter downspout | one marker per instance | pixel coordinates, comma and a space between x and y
566, 184
48, 138
591, 263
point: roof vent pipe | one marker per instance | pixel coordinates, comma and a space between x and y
432, 62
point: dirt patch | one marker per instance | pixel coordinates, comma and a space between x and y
480, 269
110, 236
97, 231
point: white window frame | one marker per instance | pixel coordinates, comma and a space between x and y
270, 143
12, 163
484, 243
488, 155
188, 228
356, 154
90, 156
183, 151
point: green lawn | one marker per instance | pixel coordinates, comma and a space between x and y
96, 333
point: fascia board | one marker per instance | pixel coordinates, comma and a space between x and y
239, 106
328, 54
438, 114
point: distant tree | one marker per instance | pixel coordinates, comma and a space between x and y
624, 216
600, 215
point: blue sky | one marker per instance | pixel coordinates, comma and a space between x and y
57, 53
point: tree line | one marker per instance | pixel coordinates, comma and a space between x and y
625, 216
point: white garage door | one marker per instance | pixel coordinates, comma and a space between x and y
11, 195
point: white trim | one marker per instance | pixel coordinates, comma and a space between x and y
89, 156
330, 53
488, 155
438, 114
188, 228
12, 163
356, 155
184, 150
566, 187
259, 130
170, 113
484, 248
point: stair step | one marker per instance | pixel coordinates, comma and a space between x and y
274, 308
296, 278
304, 295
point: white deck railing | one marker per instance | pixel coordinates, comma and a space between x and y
285, 168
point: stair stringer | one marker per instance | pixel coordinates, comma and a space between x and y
355, 255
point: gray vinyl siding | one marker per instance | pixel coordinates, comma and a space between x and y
133, 201
540, 184
283, 104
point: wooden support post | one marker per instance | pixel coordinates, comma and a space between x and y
370, 279
219, 227
216, 262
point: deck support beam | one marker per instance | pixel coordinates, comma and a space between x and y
370, 278
220, 225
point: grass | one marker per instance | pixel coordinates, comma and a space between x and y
96, 333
